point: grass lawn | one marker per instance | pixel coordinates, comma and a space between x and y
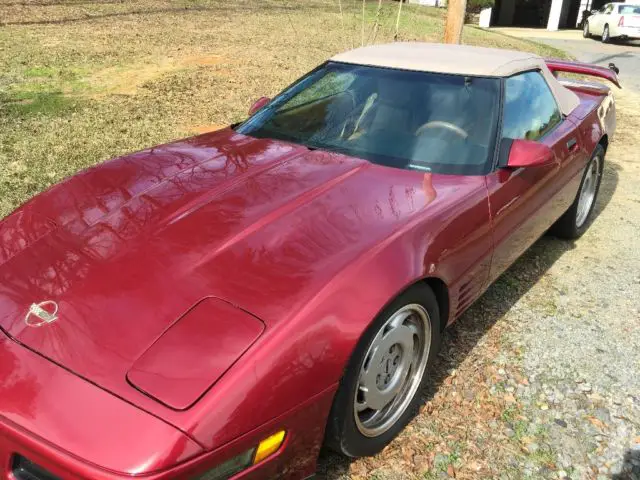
82, 81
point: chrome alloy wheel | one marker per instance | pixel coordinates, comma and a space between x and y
392, 370
588, 190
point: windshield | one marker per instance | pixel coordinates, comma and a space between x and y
633, 9
403, 119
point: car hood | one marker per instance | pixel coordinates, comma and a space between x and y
127, 248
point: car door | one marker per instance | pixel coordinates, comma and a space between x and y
596, 21
525, 202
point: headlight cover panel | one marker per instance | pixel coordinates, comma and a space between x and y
194, 353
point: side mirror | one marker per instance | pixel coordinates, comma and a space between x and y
261, 102
526, 153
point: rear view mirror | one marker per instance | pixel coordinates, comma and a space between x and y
261, 102
526, 153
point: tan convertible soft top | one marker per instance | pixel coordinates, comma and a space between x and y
458, 60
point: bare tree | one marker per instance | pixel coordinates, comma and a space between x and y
376, 23
395, 36
363, 12
344, 37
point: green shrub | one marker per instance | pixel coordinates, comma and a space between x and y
474, 6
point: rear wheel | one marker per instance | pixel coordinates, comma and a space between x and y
380, 391
585, 30
606, 37
576, 220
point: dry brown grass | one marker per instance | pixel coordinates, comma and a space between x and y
82, 81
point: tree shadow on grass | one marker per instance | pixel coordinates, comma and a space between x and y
460, 339
630, 466
25, 104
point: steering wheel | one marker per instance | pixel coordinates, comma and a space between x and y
443, 125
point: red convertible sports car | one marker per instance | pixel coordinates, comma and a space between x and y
224, 305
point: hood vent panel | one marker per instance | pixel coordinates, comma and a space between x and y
194, 353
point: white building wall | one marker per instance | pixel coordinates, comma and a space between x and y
555, 14
560, 11
485, 18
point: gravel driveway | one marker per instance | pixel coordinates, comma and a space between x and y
582, 349
582, 355
541, 378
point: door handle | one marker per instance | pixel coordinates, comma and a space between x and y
572, 144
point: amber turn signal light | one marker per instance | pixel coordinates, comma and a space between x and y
269, 446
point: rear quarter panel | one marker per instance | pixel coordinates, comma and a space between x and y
595, 117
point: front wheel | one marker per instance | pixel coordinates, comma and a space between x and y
606, 36
576, 220
380, 391
585, 30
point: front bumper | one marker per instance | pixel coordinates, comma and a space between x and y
295, 460
77, 431
60, 465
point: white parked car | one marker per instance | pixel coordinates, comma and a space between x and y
614, 21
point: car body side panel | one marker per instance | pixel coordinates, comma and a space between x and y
520, 211
526, 202
600, 19
572, 155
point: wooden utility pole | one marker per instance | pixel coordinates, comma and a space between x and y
455, 20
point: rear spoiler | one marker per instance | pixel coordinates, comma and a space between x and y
610, 73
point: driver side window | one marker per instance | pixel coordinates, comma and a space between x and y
530, 109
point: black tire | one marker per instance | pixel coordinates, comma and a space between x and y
606, 36
571, 226
585, 30
343, 435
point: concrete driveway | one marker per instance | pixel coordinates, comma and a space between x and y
625, 55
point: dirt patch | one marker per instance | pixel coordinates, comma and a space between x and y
201, 60
129, 80
204, 128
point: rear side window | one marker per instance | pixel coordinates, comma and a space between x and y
530, 109
630, 9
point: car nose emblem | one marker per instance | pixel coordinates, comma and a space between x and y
41, 313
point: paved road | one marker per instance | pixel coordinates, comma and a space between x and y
625, 55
